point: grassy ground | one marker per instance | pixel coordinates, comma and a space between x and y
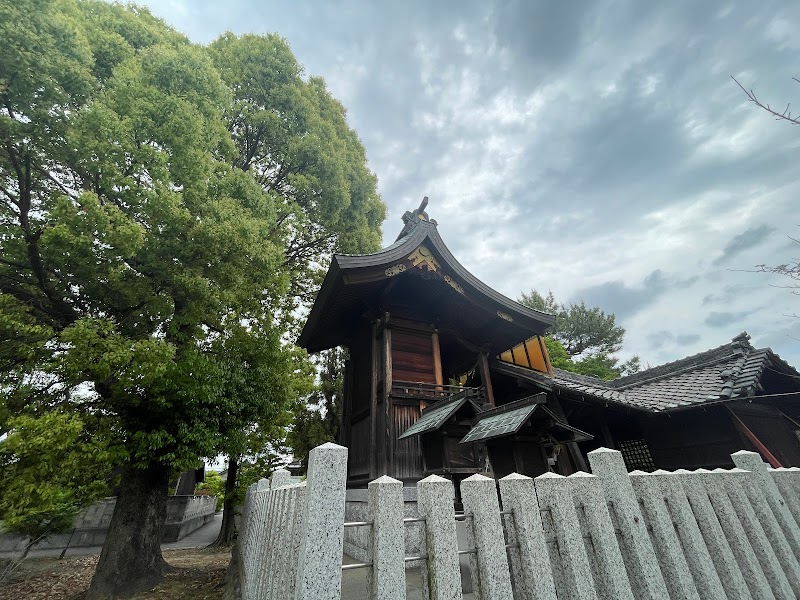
198, 575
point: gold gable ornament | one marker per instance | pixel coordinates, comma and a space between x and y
422, 256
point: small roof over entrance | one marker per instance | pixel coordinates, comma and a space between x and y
510, 418
435, 416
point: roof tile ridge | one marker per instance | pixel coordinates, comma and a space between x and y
676, 367
581, 377
777, 357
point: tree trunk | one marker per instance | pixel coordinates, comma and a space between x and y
227, 532
131, 559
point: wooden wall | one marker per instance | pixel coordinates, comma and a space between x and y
412, 356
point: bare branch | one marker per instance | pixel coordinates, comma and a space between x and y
781, 116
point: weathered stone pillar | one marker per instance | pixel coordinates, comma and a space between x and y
761, 487
387, 578
533, 578
435, 497
668, 548
554, 494
479, 495
734, 482
719, 548
588, 491
686, 525
646, 578
319, 573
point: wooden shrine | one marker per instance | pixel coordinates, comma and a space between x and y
447, 376
421, 332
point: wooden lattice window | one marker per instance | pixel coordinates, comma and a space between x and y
636, 455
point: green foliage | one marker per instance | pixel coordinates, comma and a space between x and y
293, 137
49, 471
583, 338
162, 205
164, 210
600, 365
213, 485
318, 421
581, 329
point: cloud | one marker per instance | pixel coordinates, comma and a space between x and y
623, 300
726, 319
659, 339
744, 241
603, 153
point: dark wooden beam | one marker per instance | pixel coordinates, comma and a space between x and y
486, 377
373, 402
437, 358
388, 419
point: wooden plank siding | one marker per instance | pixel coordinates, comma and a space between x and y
408, 451
413, 357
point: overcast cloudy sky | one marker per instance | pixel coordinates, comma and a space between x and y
597, 149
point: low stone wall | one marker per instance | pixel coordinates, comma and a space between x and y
185, 514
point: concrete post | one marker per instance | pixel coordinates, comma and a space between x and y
279, 478
266, 546
788, 483
613, 582
665, 540
281, 542
534, 580
297, 528
646, 579
387, 578
735, 533
725, 563
734, 482
554, 493
763, 486
700, 563
435, 497
319, 573
479, 495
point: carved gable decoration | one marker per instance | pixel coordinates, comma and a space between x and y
423, 257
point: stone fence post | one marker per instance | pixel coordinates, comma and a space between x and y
387, 579
533, 576
646, 579
319, 560
479, 495
435, 496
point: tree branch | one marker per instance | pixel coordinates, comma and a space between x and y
786, 115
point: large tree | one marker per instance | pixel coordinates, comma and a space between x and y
136, 244
293, 137
583, 338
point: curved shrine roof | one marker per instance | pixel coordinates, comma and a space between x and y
354, 284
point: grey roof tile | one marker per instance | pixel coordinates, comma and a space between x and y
727, 372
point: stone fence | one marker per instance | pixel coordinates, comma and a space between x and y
607, 535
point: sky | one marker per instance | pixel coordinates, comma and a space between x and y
599, 149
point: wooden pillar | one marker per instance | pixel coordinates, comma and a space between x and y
347, 411
388, 430
486, 377
437, 358
572, 447
373, 402
608, 441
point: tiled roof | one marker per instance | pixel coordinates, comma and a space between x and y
727, 372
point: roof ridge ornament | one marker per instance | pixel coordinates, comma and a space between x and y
413, 218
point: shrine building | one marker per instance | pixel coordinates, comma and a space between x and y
447, 376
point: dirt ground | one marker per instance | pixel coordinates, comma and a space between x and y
198, 575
